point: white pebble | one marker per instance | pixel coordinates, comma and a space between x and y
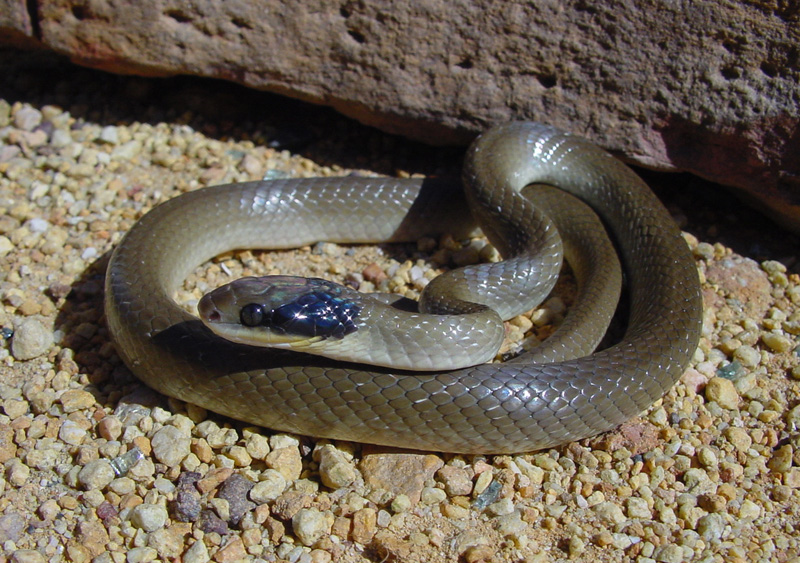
335, 470
141, 555
197, 553
609, 512
71, 433
270, 487
27, 118
96, 474
148, 517
31, 339
38, 225
310, 524
89, 253
501, 507
60, 138
110, 135
170, 445
638, 508
711, 526
6, 245
27, 556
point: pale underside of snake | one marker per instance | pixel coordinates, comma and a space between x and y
555, 393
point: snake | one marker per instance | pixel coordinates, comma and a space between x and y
542, 398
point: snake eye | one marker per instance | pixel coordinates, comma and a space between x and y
252, 314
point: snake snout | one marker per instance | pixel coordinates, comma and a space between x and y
208, 310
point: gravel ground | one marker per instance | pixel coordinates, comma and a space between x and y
99, 468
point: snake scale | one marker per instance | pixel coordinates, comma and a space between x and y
514, 406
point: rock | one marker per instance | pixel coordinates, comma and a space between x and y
670, 553
8, 449
110, 427
31, 339
257, 446
269, 488
92, 535
781, 460
11, 526
635, 435
210, 522
76, 399
290, 503
743, 279
710, 527
109, 135
197, 553
335, 470
6, 245
141, 555
170, 445
747, 356
399, 473
96, 474
234, 490
233, 550
609, 513
437, 78
168, 542
501, 507
185, 507
71, 433
723, 392
27, 118
777, 342
432, 495
310, 524
456, 480
637, 508
27, 556
364, 523
739, 438
148, 517
286, 460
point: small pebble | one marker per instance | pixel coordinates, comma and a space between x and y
31, 340
269, 488
197, 553
109, 135
739, 438
27, 556
335, 470
148, 517
96, 474
27, 118
141, 555
723, 392
234, 490
710, 527
72, 433
310, 524
777, 342
170, 445
609, 512
76, 399
747, 356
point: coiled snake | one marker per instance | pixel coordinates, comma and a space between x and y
513, 406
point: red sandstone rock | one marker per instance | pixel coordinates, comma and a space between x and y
707, 87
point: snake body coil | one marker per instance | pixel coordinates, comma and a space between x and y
492, 408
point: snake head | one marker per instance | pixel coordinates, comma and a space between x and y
279, 310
